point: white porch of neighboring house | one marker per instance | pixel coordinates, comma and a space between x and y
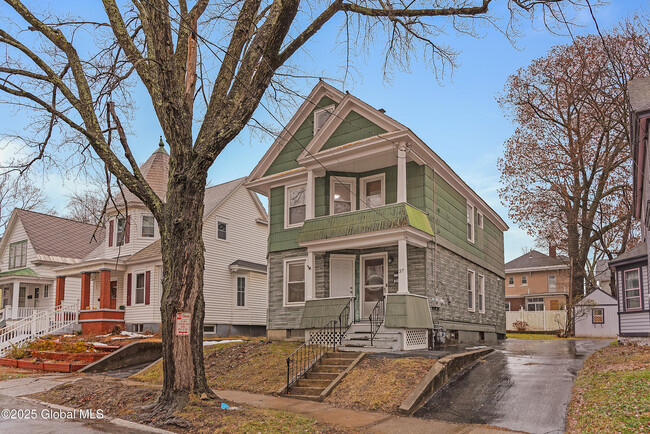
23, 296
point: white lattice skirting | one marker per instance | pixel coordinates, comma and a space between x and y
323, 338
415, 339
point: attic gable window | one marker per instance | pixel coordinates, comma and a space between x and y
222, 230
321, 116
18, 254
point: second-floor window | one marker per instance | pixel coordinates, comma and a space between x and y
121, 226
343, 195
524, 280
511, 281
222, 230
296, 205
18, 254
147, 226
372, 192
632, 289
551, 282
470, 223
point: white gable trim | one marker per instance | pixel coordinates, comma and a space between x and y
205, 219
7, 233
320, 90
348, 104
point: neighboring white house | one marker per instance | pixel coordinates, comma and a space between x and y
32, 247
121, 279
596, 316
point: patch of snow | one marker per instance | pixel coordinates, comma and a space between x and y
68, 336
209, 343
99, 344
478, 347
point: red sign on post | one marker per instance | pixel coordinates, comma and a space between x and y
183, 323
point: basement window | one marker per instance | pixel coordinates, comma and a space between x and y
209, 329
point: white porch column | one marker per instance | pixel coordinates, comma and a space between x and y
402, 268
401, 173
310, 281
309, 196
14, 299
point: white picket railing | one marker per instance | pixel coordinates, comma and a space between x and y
41, 323
24, 312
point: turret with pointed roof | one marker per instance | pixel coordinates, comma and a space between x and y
155, 171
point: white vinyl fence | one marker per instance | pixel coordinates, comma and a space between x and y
538, 321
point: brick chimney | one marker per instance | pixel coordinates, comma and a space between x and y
552, 251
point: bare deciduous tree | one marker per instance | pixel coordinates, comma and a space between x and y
18, 192
206, 67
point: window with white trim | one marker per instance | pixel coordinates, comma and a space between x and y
241, 291
148, 227
373, 191
209, 329
46, 291
295, 205
479, 219
535, 304
524, 280
222, 230
481, 293
470, 222
632, 283
511, 281
121, 226
471, 290
321, 116
342, 195
598, 315
18, 254
139, 288
551, 282
294, 281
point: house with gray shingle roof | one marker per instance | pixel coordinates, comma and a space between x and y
536, 281
121, 278
32, 247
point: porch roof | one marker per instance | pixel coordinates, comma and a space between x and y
24, 272
387, 217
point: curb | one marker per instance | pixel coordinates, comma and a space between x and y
114, 420
438, 376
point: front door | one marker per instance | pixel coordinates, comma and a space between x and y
373, 282
114, 294
341, 276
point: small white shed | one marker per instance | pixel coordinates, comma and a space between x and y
596, 316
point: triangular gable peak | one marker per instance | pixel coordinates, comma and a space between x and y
351, 116
6, 236
319, 96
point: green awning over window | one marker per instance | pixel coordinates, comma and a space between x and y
392, 216
25, 272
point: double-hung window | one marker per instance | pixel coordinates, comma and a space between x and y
481, 293
470, 222
294, 278
373, 191
121, 226
148, 226
551, 283
342, 195
18, 254
222, 230
598, 315
524, 280
632, 289
139, 288
296, 205
511, 281
241, 291
471, 290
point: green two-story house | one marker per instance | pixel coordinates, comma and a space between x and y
364, 216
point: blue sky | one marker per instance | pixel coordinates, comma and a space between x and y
457, 117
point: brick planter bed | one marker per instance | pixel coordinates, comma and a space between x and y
48, 366
68, 357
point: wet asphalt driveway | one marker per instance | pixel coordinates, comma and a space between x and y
524, 385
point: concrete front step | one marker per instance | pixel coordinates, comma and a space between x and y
321, 375
367, 349
338, 355
313, 382
328, 368
305, 390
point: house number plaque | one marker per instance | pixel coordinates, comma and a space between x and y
183, 323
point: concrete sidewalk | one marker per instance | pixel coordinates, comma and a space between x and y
353, 419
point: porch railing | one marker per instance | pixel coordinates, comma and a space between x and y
37, 325
24, 312
377, 318
317, 345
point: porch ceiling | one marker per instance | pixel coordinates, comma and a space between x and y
394, 216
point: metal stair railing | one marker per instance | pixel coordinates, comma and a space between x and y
319, 343
39, 324
377, 318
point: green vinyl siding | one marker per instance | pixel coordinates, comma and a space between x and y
279, 237
322, 196
415, 191
407, 311
449, 220
319, 312
354, 127
286, 159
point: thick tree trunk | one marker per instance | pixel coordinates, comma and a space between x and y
183, 264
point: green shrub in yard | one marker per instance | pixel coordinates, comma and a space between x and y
18, 351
